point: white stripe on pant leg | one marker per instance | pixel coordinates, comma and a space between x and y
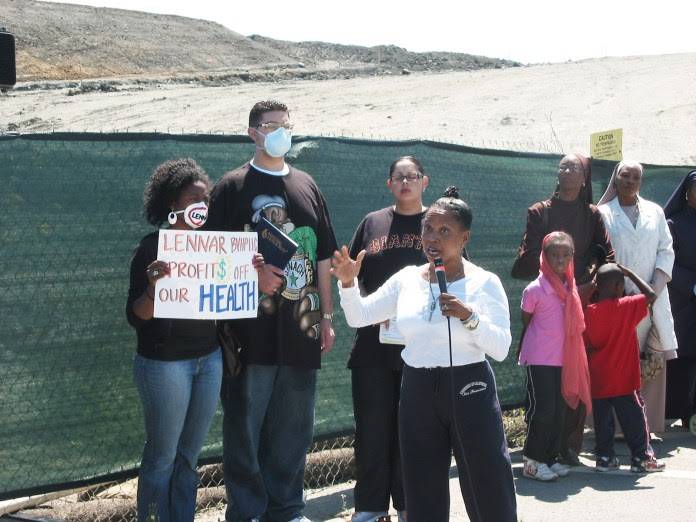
641, 404
532, 399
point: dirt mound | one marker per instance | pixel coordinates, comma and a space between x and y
387, 57
65, 41
74, 42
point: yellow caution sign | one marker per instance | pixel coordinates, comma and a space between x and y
607, 145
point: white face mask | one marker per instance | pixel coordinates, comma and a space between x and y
195, 215
278, 143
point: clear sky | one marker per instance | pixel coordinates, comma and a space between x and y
529, 31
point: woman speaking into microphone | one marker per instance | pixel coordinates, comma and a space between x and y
448, 397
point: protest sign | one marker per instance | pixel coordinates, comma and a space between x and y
211, 275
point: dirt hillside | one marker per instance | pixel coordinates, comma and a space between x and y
66, 41
546, 108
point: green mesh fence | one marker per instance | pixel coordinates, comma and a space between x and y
71, 218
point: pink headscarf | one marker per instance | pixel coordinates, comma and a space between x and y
575, 374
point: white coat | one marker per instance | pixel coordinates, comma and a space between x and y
644, 249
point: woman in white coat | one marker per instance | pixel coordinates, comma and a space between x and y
640, 236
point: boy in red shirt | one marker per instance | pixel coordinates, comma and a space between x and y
614, 361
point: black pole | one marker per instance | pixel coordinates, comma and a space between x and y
8, 69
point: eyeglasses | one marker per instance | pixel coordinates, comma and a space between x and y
571, 170
408, 177
273, 126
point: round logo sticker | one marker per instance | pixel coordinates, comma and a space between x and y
196, 216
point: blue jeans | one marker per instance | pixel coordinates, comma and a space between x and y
267, 430
179, 400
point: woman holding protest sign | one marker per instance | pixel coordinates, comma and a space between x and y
178, 365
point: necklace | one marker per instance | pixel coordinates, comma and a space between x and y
433, 302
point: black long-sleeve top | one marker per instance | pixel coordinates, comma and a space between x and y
164, 339
582, 221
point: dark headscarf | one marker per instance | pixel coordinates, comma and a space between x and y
586, 191
677, 200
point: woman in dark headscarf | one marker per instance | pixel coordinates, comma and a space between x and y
680, 212
569, 210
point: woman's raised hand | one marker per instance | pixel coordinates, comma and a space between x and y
344, 268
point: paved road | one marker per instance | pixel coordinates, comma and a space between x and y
583, 495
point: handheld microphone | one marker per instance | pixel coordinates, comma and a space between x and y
440, 274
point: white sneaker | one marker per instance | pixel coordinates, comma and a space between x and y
301, 518
538, 471
560, 469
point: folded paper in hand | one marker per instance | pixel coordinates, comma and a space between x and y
275, 245
390, 334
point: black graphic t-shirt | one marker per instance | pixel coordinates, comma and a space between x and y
286, 331
392, 241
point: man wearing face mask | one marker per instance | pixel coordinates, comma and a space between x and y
269, 407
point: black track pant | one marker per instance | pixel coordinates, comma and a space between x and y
545, 414
377, 459
428, 437
630, 410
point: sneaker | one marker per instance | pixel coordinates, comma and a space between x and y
369, 516
537, 471
647, 466
301, 518
606, 464
559, 469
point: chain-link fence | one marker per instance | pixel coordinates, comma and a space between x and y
71, 218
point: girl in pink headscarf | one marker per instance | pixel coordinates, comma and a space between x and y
554, 355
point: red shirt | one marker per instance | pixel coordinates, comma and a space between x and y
610, 328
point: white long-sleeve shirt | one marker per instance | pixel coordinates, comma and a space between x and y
409, 297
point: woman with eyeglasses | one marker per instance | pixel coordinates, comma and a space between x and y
569, 210
391, 238
448, 402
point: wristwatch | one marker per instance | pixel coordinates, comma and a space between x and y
327, 316
471, 322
